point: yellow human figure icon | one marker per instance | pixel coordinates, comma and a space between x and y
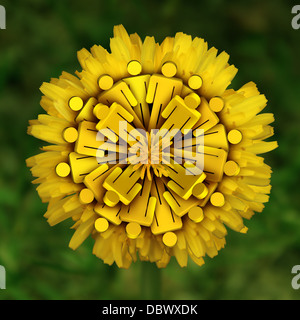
207, 120
164, 218
179, 115
160, 91
121, 94
141, 209
81, 165
115, 123
214, 161
111, 214
179, 205
138, 86
94, 180
185, 182
87, 142
86, 113
216, 137
122, 185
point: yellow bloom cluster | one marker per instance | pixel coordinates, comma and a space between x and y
152, 209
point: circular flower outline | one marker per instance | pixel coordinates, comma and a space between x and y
156, 219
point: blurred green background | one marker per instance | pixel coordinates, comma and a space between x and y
41, 40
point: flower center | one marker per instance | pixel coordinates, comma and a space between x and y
151, 153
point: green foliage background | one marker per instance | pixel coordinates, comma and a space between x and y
41, 40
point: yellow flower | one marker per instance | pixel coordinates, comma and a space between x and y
126, 187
